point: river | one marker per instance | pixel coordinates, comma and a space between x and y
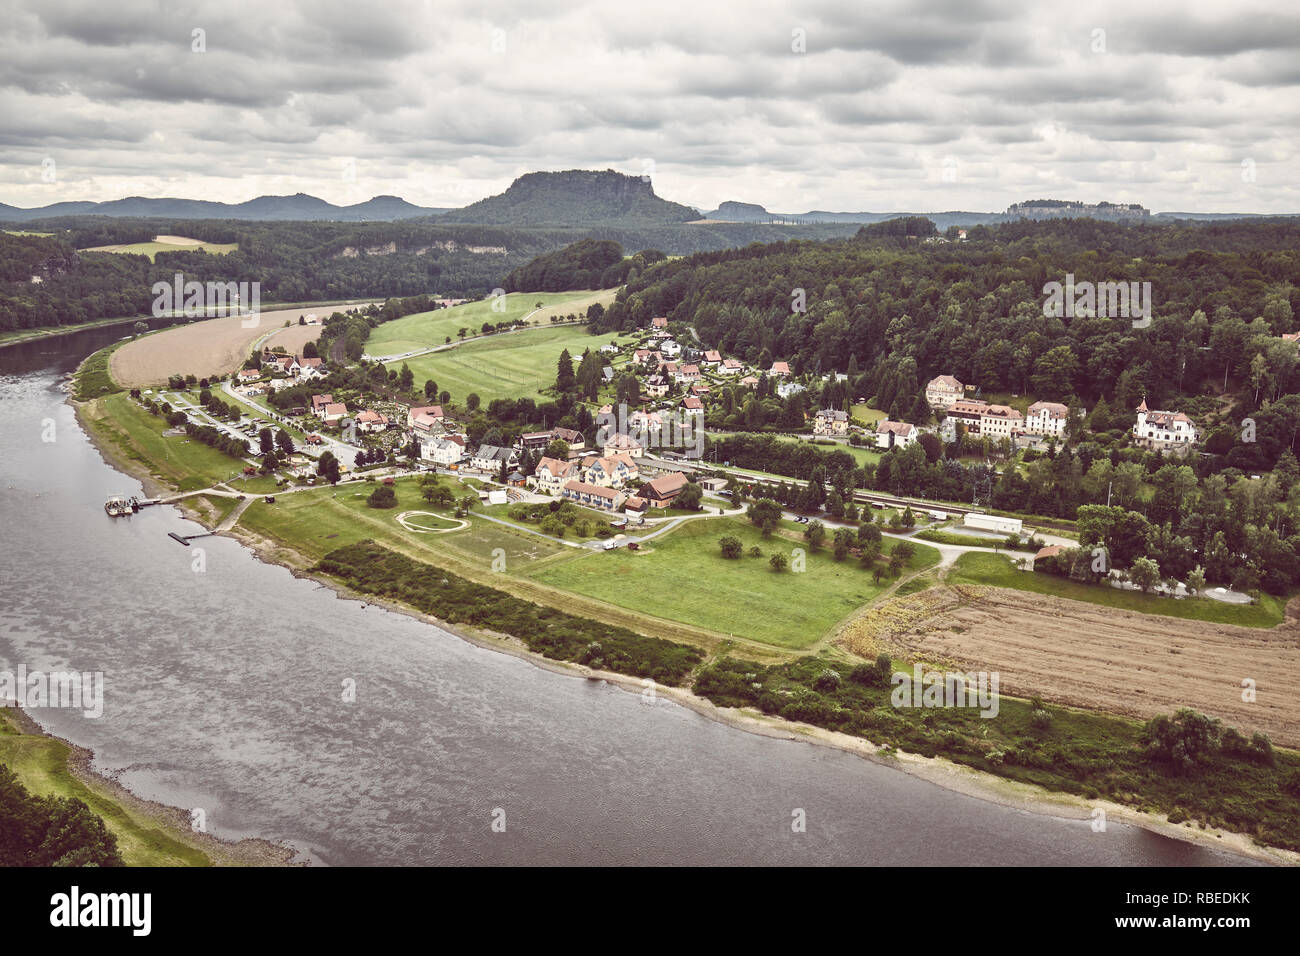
224, 692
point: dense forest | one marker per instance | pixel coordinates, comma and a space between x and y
587, 264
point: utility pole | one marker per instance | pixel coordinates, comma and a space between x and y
1108, 486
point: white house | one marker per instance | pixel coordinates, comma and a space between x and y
895, 434
943, 390
670, 348
552, 473
370, 421
1047, 419
441, 451
489, 458
1001, 421
424, 417
333, 412
1163, 431
786, 389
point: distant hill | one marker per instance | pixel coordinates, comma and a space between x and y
1061, 209
575, 197
732, 211
298, 208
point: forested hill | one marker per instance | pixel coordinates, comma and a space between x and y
587, 264
898, 311
574, 197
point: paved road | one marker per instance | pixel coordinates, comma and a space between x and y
345, 453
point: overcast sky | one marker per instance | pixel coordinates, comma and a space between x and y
918, 106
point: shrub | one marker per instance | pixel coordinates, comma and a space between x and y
382, 497
731, 547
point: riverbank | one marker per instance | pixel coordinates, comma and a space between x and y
148, 833
938, 770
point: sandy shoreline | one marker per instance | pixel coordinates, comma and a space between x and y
937, 770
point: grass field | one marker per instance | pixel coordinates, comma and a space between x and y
976, 567
682, 576
152, 249
511, 365
41, 765
866, 415
427, 329
318, 521
179, 461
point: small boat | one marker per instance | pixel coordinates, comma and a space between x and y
120, 505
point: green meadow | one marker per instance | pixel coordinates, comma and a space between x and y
683, 577
427, 329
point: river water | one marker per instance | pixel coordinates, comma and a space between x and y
224, 692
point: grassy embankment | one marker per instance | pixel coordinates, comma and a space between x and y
151, 249
996, 570
42, 764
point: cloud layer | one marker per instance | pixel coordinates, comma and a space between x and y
923, 106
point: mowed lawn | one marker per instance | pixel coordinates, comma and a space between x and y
316, 521
427, 329
152, 249
682, 576
977, 567
510, 365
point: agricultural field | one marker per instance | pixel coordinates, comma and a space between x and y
1117, 661
427, 329
509, 365
682, 576
167, 244
997, 570
210, 347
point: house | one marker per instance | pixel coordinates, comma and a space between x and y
712, 484
623, 445
570, 437
371, 421
607, 374
1047, 419
424, 417
943, 390
1163, 432
609, 348
829, 421
308, 373
613, 471
656, 386
249, 374
692, 403
749, 381
731, 367
635, 504
516, 479
288, 364
786, 389
661, 492
442, 451
779, 369
552, 473
670, 348
318, 403
333, 412
659, 322
688, 373
489, 458
895, 434
607, 499
991, 523
1001, 421
533, 440
712, 357
968, 412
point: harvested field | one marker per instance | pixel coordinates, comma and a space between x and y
1111, 660
207, 347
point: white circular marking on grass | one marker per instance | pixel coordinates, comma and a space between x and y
404, 519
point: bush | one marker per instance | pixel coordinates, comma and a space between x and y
382, 497
731, 547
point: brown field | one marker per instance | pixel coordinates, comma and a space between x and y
208, 347
1104, 659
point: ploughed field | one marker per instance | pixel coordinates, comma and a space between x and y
1113, 660
208, 347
